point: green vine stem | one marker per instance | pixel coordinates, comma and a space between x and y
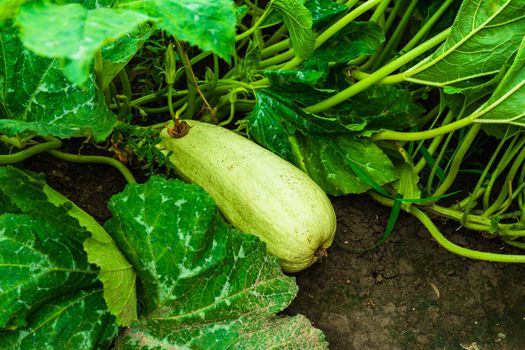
378, 75
379, 11
124, 81
456, 249
170, 102
445, 243
255, 26
75, 158
30, 151
295, 61
434, 145
458, 159
437, 162
277, 36
99, 76
349, 3
273, 49
506, 188
192, 88
509, 153
392, 16
157, 95
395, 38
426, 27
469, 203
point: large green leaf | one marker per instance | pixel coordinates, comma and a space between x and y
38, 262
203, 283
378, 107
506, 105
210, 25
74, 321
323, 10
329, 161
273, 120
484, 37
117, 54
73, 33
354, 40
34, 197
8, 8
37, 99
289, 78
272, 333
298, 21
322, 147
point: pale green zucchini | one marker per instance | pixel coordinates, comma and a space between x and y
257, 191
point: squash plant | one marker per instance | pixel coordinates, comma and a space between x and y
401, 99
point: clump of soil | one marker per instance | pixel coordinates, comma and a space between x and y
408, 294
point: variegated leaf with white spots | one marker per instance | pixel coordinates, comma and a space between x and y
37, 263
37, 99
21, 192
77, 320
204, 283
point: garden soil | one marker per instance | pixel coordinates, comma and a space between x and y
407, 294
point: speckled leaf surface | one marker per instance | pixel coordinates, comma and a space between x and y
76, 320
323, 10
37, 99
73, 33
322, 147
210, 25
202, 280
483, 38
37, 263
243, 333
26, 194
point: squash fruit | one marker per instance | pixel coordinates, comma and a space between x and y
256, 190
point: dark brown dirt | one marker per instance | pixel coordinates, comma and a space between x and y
408, 294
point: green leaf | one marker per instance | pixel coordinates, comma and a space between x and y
321, 147
117, 54
287, 78
187, 258
241, 11
203, 283
484, 36
323, 10
272, 333
506, 105
35, 198
298, 21
272, 121
38, 262
379, 107
354, 40
74, 321
327, 160
407, 185
73, 33
210, 25
9, 8
247, 67
36, 98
